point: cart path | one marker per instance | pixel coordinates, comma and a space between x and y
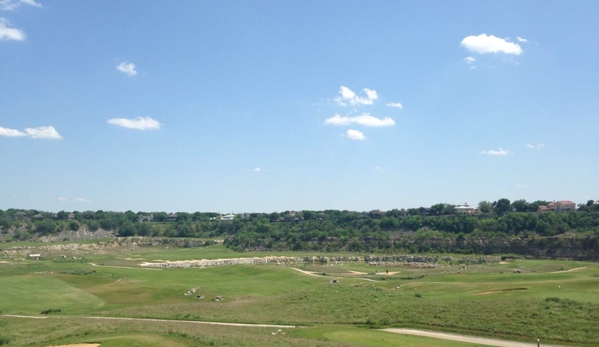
416, 332
160, 320
465, 338
312, 273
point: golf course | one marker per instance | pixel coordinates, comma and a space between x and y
214, 296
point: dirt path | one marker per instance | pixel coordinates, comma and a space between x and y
576, 269
78, 345
161, 320
123, 267
464, 338
312, 273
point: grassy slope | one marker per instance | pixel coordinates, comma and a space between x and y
515, 307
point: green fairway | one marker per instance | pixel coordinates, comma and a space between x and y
553, 300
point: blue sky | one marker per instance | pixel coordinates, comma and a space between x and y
262, 106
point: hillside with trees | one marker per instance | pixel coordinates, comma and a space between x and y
494, 227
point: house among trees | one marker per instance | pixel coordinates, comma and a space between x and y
227, 217
171, 217
465, 209
558, 206
146, 218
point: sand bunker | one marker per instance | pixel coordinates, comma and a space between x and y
78, 345
501, 291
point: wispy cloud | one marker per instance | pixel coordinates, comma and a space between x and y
498, 152
395, 104
47, 132
355, 134
537, 146
11, 132
520, 39
43, 133
484, 43
350, 97
256, 169
9, 33
521, 185
365, 119
127, 68
77, 199
9, 5
469, 60
139, 123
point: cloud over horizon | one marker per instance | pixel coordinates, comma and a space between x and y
45, 132
139, 123
499, 152
349, 96
355, 134
9, 33
127, 68
484, 43
365, 119
537, 146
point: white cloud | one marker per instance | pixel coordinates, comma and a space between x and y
43, 133
11, 132
498, 152
127, 68
256, 169
469, 60
36, 133
364, 119
9, 5
521, 185
348, 96
520, 39
484, 43
139, 123
31, 3
8, 33
77, 199
538, 145
355, 134
395, 104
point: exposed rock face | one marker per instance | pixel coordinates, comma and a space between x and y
392, 260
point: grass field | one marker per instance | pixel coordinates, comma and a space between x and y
554, 300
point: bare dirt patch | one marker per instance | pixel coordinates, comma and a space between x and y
358, 272
504, 262
78, 345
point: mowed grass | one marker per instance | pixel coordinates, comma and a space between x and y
542, 301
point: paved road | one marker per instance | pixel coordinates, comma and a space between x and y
464, 338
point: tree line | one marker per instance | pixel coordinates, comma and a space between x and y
329, 230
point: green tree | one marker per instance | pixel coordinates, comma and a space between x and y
485, 207
520, 206
501, 206
74, 225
